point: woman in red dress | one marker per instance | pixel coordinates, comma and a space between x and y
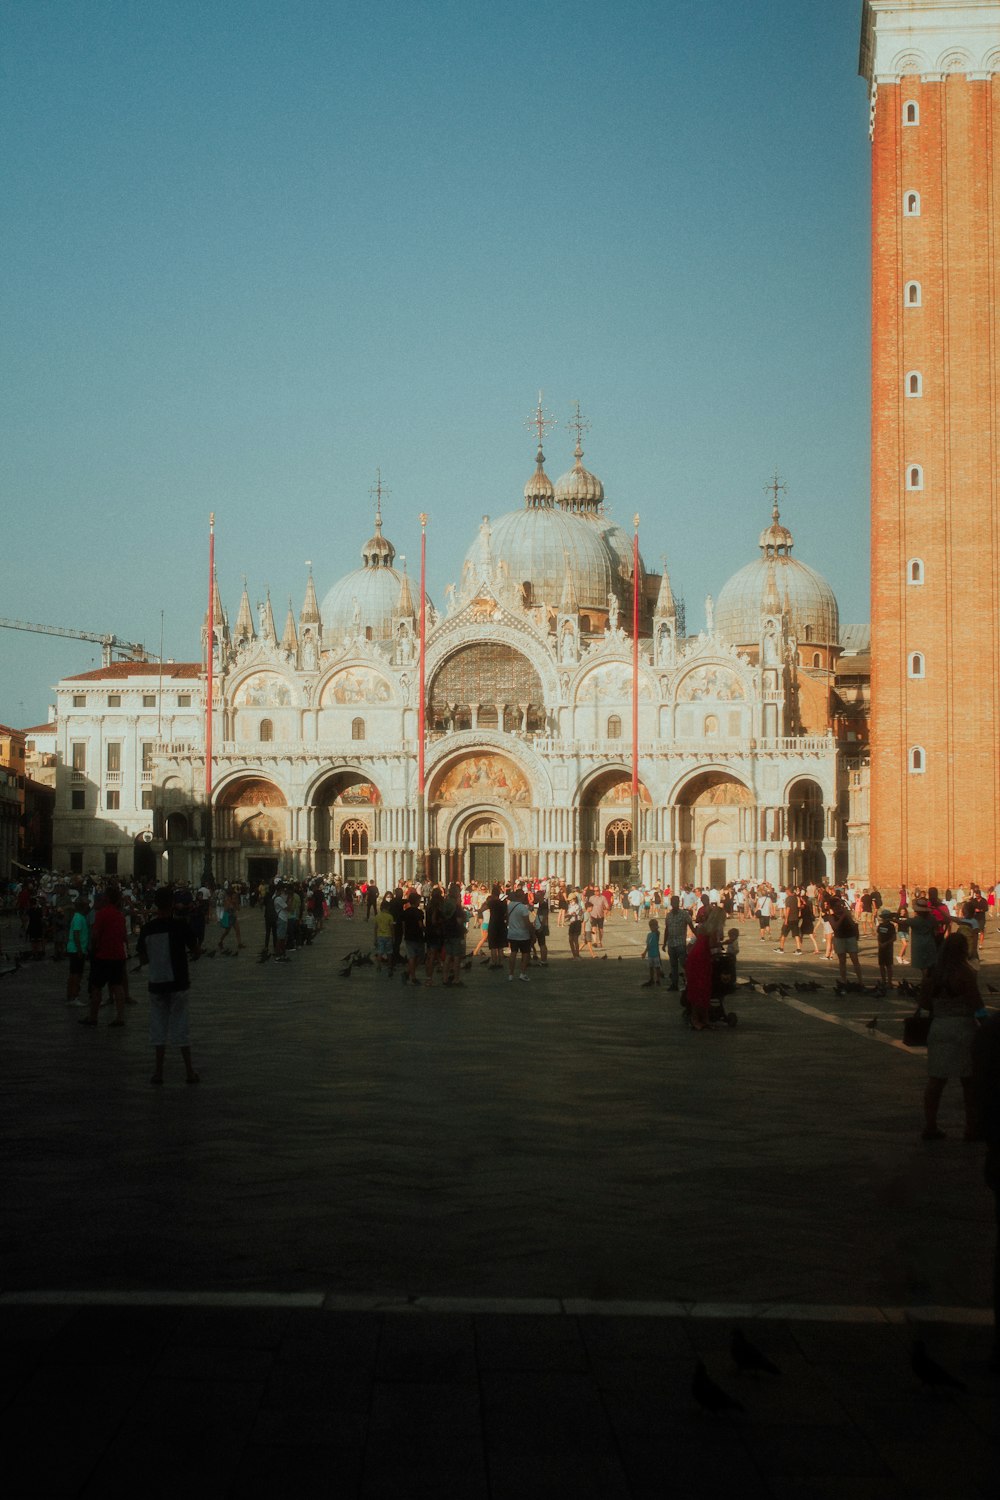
699, 979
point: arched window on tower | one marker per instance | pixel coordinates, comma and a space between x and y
914, 383
917, 760
915, 570
614, 727
914, 477
817, 660
266, 731
912, 294
915, 664
911, 205
809, 632
357, 729
911, 112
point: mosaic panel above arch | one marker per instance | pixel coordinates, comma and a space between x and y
490, 776
356, 685
721, 684
251, 791
612, 683
264, 690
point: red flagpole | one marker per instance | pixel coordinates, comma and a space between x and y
421, 871
635, 874
207, 877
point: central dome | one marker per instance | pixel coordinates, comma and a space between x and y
537, 546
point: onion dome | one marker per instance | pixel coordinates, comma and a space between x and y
578, 490
777, 580
367, 600
539, 489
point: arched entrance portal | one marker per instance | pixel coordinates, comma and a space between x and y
251, 826
606, 833
715, 830
806, 859
344, 833
477, 824
484, 842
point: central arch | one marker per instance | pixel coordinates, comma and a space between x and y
251, 829
470, 791
715, 829
343, 815
486, 685
607, 837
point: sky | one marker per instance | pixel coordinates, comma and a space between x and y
255, 250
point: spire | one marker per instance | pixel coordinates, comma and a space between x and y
405, 609
568, 604
289, 641
267, 630
218, 613
775, 540
539, 489
244, 620
378, 551
771, 604
310, 607
665, 609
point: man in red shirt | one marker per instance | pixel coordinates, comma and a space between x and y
107, 957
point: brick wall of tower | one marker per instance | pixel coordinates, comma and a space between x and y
943, 824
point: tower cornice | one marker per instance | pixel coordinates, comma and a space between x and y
930, 38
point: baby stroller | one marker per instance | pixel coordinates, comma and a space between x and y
723, 984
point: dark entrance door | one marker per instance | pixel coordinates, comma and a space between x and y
261, 870
618, 871
143, 862
717, 873
486, 862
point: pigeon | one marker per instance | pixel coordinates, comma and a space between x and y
770, 989
468, 964
709, 1396
345, 972
752, 982
619, 958
930, 1373
747, 1356
872, 1024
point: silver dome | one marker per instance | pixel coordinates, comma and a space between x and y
806, 596
536, 545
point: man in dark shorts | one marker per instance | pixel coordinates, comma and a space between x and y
598, 908
790, 921
107, 958
413, 936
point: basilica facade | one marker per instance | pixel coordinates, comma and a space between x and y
744, 754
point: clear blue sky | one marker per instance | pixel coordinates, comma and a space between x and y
254, 250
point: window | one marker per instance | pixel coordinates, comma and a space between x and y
914, 383
817, 659
78, 799
266, 731
917, 760
711, 725
914, 477
111, 862
618, 839
911, 205
809, 632
76, 861
147, 799
183, 700
149, 700
112, 800
915, 666
354, 837
357, 729
614, 727
914, 570
114, 700
114, 756
79, 700
911, 112
911, 294
147, 756
79, 753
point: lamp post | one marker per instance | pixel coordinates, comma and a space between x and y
207, 877
421, 870
634, 873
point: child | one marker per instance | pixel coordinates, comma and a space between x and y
733, 943
885, 933
653, 955
383, 937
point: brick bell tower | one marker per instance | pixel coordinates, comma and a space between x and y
933, 68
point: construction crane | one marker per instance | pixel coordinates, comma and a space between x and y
109, 644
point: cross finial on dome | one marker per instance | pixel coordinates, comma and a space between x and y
579, 424
377, 490
541, 423
773, 488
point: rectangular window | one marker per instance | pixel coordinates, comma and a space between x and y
147, 755
76, 861
78, 750
149, 700
183, 700
111, 861
78, 799
112, 800
80, 701
114, 700
147, 799
114, 750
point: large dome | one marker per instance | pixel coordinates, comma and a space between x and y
366, 600
537, 545
777, 581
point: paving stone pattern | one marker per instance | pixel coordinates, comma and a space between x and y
565, 1140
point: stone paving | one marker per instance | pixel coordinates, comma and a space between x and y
403, 1242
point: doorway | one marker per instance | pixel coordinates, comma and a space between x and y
717, 873
261, 871
486, 863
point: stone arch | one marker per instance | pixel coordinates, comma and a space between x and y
805, 814
714, 813
481, 780
338, 798
251, 820
499, 632
492, 675
478, 843
604, 797
909, 62
445, 752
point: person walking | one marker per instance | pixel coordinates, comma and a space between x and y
77, 943
164, 944
951, 993
108, 952
520, 923
675, 933
653, 955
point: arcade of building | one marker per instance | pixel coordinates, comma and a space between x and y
749, 732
